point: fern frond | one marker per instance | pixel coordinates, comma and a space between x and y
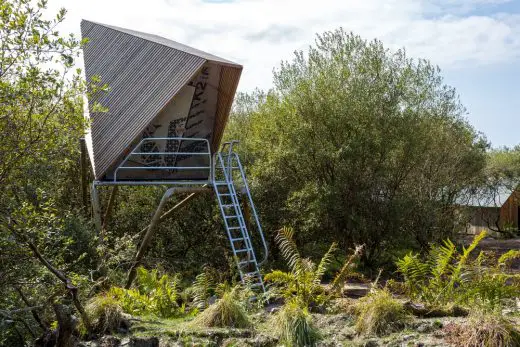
289, 250
346, 269
461, 266
278, 276
324, 263
441, 260
202, 286
507, 257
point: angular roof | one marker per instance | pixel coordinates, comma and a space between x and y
144, 72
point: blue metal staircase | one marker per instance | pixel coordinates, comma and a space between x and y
229, 177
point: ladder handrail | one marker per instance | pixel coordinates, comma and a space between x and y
253, 209
228, 175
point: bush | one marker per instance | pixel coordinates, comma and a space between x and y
380, 314
105, 313
484, 330
228, 311
448, 277
303, 282
154, 295
293, 326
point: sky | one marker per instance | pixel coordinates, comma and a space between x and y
476, 43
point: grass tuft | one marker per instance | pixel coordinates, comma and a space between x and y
484, 329
293, 326
105, 313
380, 314
227, 312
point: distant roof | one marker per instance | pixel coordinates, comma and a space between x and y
486, 197
169, 43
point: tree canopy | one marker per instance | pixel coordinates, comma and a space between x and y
360, 144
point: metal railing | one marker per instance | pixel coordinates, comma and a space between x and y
137, 151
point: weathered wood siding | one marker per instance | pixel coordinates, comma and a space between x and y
144, 72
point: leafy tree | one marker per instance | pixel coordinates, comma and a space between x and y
41, 120
358, 144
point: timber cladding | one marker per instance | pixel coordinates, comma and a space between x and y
157, 88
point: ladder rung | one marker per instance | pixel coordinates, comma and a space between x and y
254, 273
225, 194
241, 250
234, 228
232, 205
228, 217
221, 183
238, 239
246, 262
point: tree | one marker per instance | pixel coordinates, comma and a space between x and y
40, 121
358, 144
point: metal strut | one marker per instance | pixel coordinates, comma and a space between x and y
224, 172
230, 207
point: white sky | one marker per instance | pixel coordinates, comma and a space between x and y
465, 37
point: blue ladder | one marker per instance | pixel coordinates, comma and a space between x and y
239, 236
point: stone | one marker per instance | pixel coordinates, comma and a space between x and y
109, 341
143, 342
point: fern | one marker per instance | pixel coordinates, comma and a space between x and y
203, 287
448, 277
345, 271
303, 282
154, 295
289, 250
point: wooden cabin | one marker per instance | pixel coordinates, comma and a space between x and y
494, 211
159, 89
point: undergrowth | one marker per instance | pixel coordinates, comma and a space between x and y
294, 327
484, 329
227, 312
303, 282
105, 314
380, 314
153, 295
448, 277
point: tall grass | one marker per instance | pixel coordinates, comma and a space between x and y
293, 326
226, 312
380, 314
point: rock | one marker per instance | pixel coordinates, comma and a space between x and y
109, 341
273, 310
357, 290
213, 299
143, 342
371, 343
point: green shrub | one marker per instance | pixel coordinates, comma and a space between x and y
438, 279
448, 277
228, 311
484, 329
303, 281
105, 313
379, 314
294, 327
154, 295
491, 286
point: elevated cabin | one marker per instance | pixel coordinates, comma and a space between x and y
168, 105
159, 90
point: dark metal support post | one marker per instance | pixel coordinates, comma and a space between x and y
83, 173
96, 207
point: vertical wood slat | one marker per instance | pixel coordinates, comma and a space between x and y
144, 72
